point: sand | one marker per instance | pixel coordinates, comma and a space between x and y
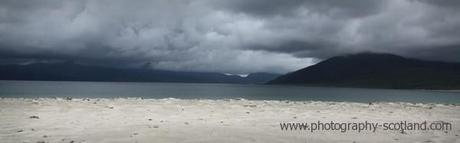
175, 120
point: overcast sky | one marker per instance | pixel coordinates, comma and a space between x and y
231, 36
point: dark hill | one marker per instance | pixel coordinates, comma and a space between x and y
371, 70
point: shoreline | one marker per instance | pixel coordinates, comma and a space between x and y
204, 120
455, 90
211, 99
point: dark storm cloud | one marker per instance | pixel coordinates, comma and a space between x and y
235, 36
315, 49
443, 3
270, 8
356, 8
399, 27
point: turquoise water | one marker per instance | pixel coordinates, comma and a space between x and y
32, 89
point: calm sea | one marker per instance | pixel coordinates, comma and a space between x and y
32, 89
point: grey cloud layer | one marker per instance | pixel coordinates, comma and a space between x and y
235, 36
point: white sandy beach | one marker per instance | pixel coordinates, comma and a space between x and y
174, 120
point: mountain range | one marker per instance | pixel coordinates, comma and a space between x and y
366, 70
376, 70
70, 71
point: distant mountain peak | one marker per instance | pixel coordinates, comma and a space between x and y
371, 54
368, 56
